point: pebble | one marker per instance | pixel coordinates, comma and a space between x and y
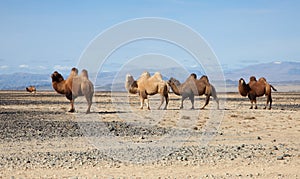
280, 158
259, 138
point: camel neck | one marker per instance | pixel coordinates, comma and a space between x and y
176, 89
59, 87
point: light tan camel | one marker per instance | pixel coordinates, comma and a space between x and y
256, 89
192, 87
148, 85
74, 86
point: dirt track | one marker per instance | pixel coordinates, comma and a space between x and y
39, 139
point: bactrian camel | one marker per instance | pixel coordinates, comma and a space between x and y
75, 85
256, 89
148, 85
193, 86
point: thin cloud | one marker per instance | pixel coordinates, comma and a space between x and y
42, 67
62, 68
3, 67
23, 66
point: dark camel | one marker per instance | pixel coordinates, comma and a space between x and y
256, 89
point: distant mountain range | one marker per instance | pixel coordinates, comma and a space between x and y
275, 72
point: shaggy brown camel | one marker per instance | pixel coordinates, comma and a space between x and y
31, 89
256, 89
74, 86
192, 87
148, 85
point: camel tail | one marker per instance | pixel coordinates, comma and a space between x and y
274, 89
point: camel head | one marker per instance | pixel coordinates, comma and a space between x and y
57, 77
242, 81
172, 81
131, 84
243, 87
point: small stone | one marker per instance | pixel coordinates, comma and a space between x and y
275, 148
280, 158
259, 138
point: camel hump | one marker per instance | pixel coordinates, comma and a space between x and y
204, 78
74, 72
262, 79
157, 75
252, 78
84, 73
145, 74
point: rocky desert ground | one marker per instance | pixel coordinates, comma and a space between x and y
40, 139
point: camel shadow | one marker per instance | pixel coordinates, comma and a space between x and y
111, 112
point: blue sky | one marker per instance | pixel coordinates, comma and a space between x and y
43, 36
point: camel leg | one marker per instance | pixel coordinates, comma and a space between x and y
144, 96
182, 99
147, 103
253, 100
267, 102
206, 101
167, 101
255, 104
192, 98
89, 101
214, 95
72, 106
251, 107
217, 101
142, 102
270, 99
162, 99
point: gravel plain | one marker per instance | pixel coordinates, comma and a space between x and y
39, 139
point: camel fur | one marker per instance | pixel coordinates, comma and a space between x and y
256, 89
148, 85
31, 89
75, 85
193, 86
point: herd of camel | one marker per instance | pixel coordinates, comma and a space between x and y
80, 85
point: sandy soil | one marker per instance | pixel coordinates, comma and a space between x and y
39, 139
